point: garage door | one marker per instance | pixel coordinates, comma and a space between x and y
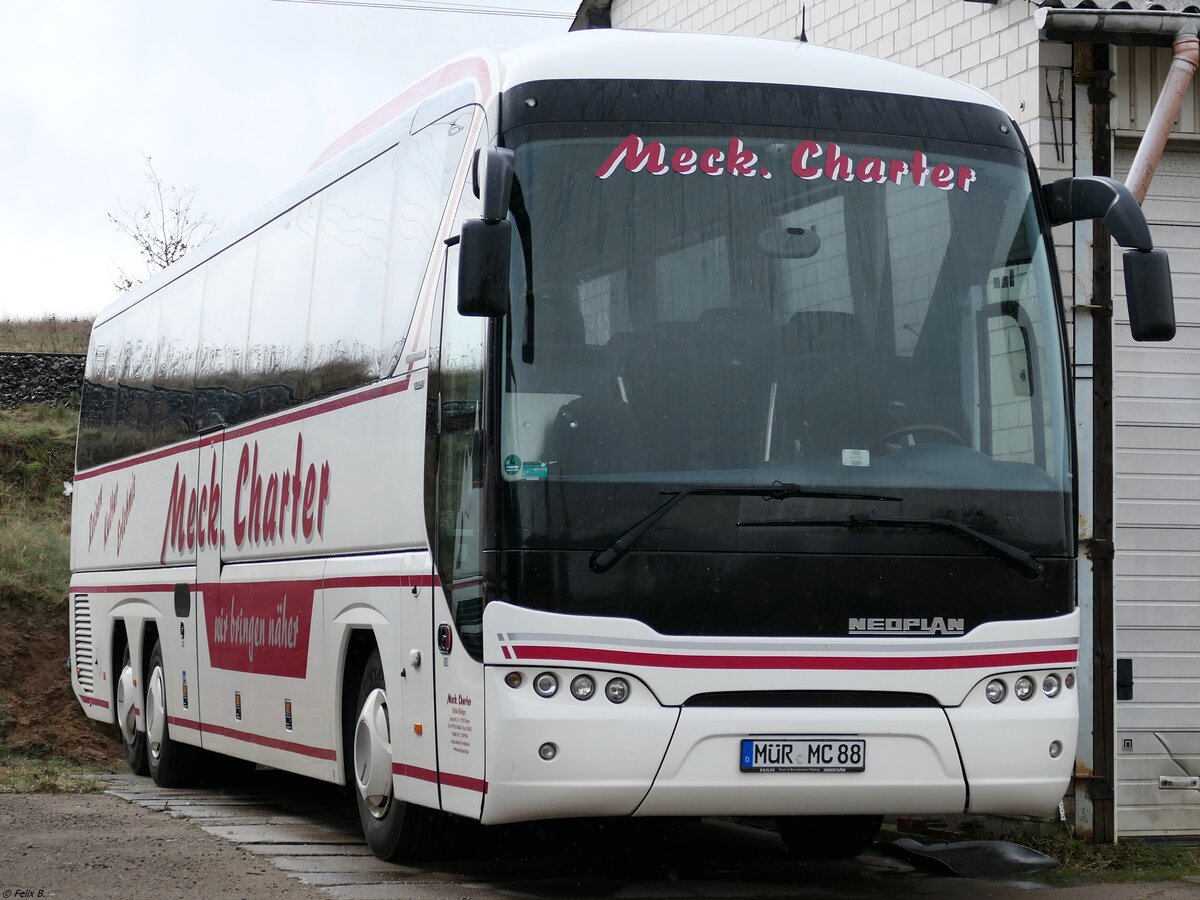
1157, 574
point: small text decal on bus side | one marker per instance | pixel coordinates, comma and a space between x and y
810, 161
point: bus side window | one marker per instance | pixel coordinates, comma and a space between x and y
345, 325
275, 364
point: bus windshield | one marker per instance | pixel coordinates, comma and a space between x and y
716, 305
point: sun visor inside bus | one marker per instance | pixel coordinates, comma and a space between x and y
442, 104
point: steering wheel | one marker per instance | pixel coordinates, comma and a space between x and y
948, 435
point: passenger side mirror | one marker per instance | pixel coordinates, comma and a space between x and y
485, 244
1147, 271
484, 255
1148, 291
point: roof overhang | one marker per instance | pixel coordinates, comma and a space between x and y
1130, 27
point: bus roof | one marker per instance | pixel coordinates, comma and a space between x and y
674, 56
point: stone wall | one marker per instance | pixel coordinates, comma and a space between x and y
39, 378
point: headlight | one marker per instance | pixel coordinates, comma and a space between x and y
582, 687
1051, 685
546, 684
995, 690
1024, 687
617, 690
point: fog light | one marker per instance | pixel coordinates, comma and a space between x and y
546, 684
1051, 685
1055, 749
1070, 680
582, 687
548, 751
513, 679
617, 690
1023, 689
995, 690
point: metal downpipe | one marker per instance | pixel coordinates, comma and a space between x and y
1186, 57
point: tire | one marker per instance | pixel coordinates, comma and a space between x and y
828, 837
396, 831
171, 764
135, 747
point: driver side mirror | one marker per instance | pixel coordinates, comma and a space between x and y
485, 244
1147, 271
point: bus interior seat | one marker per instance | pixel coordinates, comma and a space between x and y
734, 356
592, 435
829, 396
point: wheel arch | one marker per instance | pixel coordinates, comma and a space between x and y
359, 644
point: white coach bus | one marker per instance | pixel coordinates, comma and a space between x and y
632, 425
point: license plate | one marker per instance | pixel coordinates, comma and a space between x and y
804, 754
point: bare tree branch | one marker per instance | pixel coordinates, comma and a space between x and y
163, 229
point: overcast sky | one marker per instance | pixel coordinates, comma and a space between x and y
234, 98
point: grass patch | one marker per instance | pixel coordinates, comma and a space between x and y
48, 335
37, 445
1086, 863
26, 773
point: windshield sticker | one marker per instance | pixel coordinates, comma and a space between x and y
810, 161
512, 465
535, 470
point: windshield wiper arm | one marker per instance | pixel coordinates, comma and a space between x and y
603, 560
1013, 557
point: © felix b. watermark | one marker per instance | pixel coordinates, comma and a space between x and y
22, 893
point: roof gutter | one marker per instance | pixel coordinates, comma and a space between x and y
1143, 29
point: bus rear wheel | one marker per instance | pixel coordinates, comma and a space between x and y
828, 837
396, 831
132, 740
171, 764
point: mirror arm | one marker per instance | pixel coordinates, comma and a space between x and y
1097, 197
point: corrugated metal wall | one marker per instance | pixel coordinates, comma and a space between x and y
1157, 469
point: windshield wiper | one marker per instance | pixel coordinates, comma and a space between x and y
1013, 557
603, 560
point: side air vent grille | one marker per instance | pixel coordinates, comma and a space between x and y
81, 611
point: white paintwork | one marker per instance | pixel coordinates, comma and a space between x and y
911, 765
1005, 747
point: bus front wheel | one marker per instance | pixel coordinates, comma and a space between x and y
395, 830
828, 837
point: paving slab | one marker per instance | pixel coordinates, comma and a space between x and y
342, 864
309, 849
280, 834
333, 879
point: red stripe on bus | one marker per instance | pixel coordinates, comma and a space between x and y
250, 738
842, 663
449, 779
340, 582
93, 701
462, 781
138, 460
393, 386
123, 588
417, 772
475, 66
